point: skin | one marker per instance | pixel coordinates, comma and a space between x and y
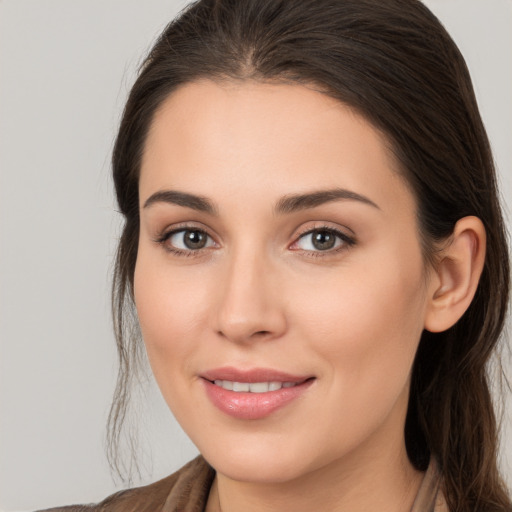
261, 295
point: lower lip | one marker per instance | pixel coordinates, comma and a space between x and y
253, 406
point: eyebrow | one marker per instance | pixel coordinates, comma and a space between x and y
297, 202
287, 204
199, 203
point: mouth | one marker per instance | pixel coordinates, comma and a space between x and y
253, 387
253, 394
255, 376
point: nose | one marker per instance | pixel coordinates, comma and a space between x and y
251, 305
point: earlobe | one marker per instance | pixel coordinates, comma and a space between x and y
457, 275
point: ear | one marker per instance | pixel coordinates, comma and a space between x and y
454, 282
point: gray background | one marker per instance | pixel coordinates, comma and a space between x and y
65, 69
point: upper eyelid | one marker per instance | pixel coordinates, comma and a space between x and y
337, 232
189, 227
341, 229
176, 228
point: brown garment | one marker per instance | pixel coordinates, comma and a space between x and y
187, 491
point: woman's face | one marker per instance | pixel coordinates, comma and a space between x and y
278, 245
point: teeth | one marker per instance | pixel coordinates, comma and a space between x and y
253, 387
241, 386
258, 387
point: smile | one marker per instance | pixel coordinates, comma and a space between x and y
253, 387
253, 394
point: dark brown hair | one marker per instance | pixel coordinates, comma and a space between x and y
394, 63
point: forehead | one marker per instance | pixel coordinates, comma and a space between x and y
267, 117
282, 138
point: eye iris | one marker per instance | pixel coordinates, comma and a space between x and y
323, 240
194, 239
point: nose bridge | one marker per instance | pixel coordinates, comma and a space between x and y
249, 306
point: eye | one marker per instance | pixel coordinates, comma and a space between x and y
323, 240
186, 240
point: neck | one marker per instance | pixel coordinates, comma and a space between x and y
384, 481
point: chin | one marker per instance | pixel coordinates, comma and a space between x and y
257, 471
257, 464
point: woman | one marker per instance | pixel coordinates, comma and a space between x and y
315, 251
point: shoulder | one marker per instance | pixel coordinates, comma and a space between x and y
189, 485
430, 497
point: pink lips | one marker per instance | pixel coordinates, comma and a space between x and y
247, 405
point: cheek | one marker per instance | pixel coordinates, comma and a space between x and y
367, 324
168, 307
362, 328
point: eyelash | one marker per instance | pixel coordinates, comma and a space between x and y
347, 241
166, 235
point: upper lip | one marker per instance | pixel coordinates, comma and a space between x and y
251, 375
